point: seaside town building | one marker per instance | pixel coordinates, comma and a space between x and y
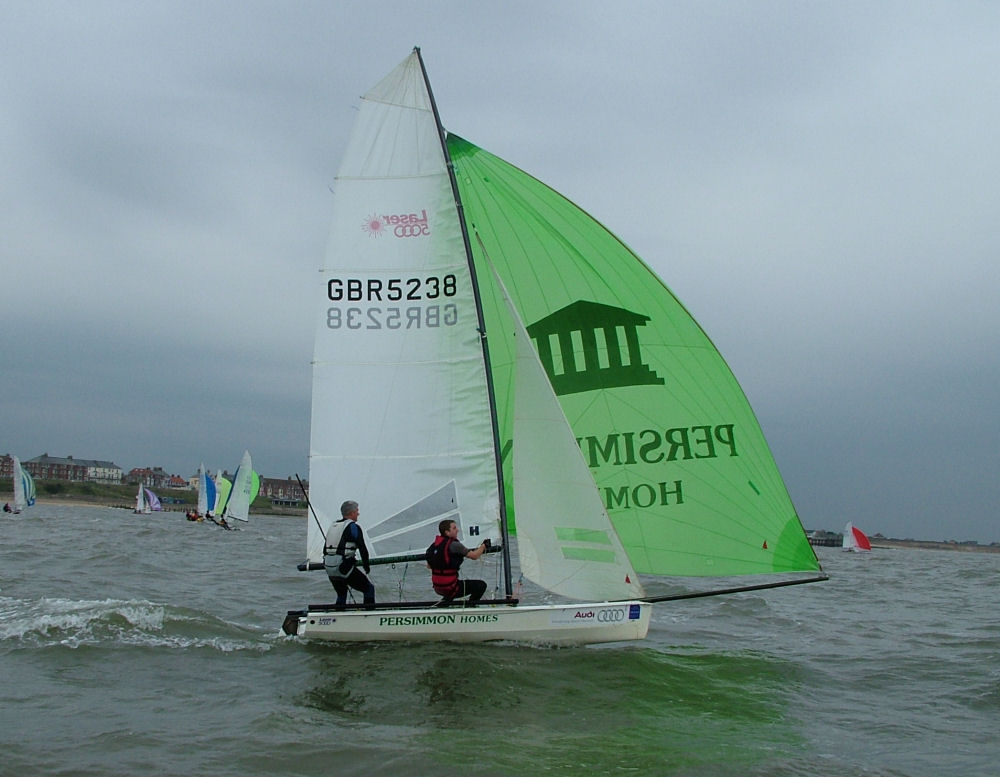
156, 477
284, 492
59, 468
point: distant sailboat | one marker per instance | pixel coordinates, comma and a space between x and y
222, 489
146, 501
206, 495
141, 505
855, 539
246, 485
24, 487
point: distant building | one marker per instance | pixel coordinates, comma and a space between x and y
155, 477
824, 538
282, 491
76, 470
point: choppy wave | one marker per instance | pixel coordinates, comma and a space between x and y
74, 623
151, 646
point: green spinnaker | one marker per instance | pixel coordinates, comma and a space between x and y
674, 447
223, 488
254, 485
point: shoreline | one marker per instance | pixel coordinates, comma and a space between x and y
884, 543
891, 544
90, 501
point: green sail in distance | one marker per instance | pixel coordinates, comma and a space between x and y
673, 445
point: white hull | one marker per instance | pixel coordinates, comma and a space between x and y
551, 624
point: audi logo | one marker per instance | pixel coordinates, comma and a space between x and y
411, 230
611, 616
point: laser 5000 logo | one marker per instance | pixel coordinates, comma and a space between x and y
397, 224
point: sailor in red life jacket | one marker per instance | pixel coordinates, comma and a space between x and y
444, 557
340, 556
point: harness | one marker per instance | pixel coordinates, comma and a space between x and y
342, 556
444, 567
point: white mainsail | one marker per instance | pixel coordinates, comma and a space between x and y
400, 414
222, 489
20, 497
202, 490
141, 504
242, 493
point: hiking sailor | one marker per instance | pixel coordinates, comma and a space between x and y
444, 557
340, 555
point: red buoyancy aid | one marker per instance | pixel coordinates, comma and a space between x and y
444, 566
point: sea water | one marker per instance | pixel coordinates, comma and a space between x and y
150, 645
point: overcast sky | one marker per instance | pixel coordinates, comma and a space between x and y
818, 182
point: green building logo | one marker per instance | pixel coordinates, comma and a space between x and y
587, 346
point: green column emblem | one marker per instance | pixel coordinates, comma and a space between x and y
586, 346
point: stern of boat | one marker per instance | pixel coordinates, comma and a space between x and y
291, 623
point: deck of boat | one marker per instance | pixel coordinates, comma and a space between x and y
406, 605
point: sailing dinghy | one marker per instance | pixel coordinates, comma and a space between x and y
142, 506
146, 501
206, 494
244, 489
486, 352
24, 486
855, 540
222, 489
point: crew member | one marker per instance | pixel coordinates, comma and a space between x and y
340, 555
444, 557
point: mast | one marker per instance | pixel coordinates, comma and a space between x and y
497, 456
